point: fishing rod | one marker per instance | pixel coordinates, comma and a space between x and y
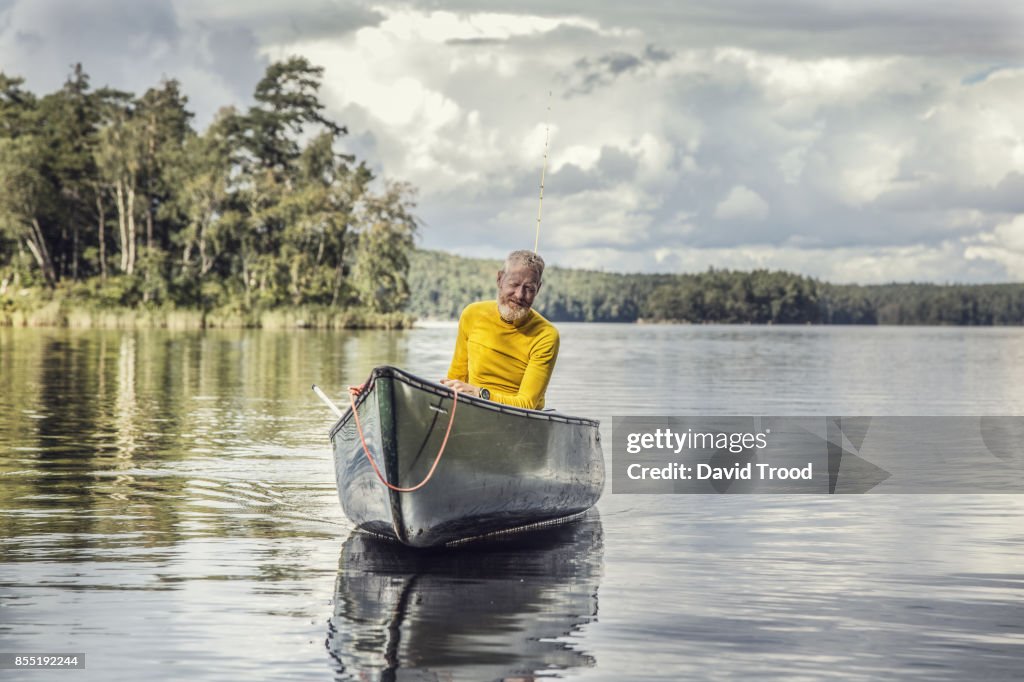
543, 169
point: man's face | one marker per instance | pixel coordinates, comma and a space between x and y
517, 287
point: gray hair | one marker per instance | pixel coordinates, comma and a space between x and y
527, 259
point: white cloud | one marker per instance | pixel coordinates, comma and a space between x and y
742, 203
944, 263
1004, 245
1011, 234
795, 80
582, 156
583, 220
865, 166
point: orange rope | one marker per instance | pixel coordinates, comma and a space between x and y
353, 391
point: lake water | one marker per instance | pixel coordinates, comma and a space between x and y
168, 508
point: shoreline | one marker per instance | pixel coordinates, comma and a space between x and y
65, 314
84, 314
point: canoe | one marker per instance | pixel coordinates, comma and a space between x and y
503, 469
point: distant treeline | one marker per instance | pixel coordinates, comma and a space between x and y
442, 284
115, 199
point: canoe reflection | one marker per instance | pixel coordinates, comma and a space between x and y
495, 612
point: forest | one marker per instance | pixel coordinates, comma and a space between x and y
113, 199
442, 284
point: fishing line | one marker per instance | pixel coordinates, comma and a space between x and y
543, 169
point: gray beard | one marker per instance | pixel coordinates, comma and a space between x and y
512, 313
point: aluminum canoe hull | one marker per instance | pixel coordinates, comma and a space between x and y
504, 469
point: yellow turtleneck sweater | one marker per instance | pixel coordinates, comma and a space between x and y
513, 361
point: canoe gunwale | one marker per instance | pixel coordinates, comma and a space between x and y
438, 389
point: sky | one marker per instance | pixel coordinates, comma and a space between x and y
853, 141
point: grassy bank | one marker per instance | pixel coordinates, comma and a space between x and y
32, 310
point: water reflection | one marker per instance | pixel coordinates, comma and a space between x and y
501, 612
174, 490
103, 434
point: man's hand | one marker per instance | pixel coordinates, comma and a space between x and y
462, 387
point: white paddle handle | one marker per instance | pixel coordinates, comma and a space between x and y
323, 396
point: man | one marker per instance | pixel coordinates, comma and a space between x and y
505, 351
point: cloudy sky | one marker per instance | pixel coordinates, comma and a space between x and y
856, 141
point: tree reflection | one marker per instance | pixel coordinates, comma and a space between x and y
143, 437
